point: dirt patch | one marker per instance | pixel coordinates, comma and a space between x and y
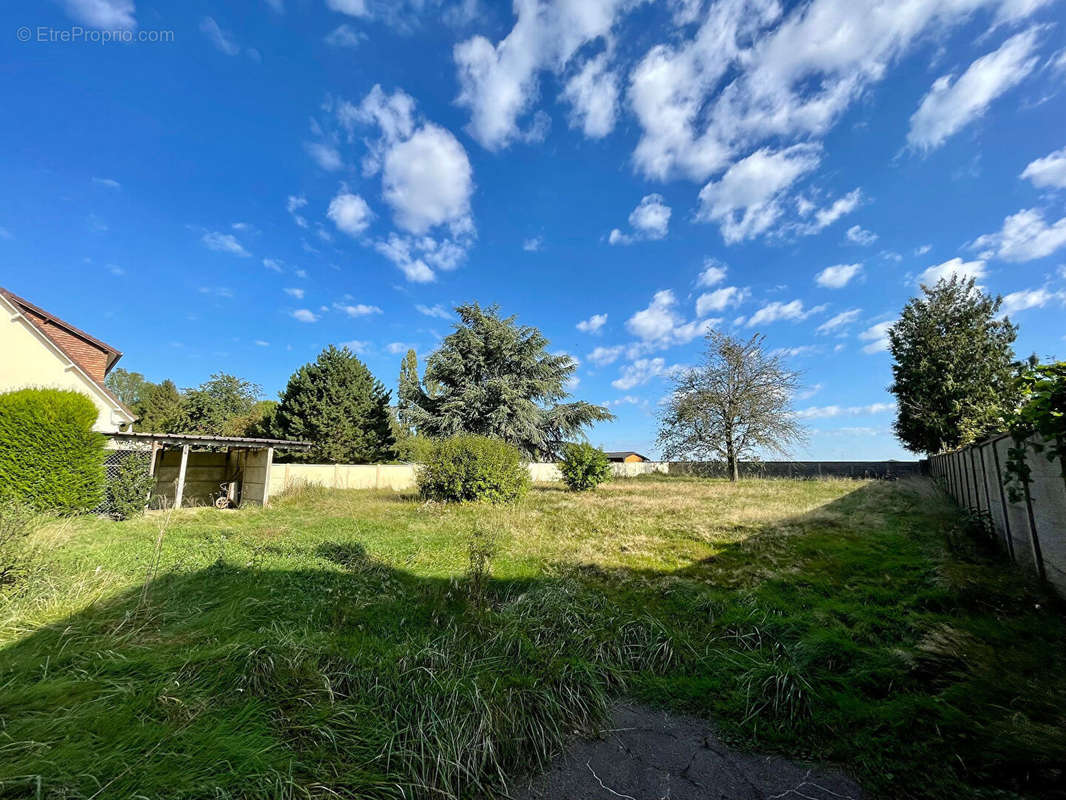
645, 754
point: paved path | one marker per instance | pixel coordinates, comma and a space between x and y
652, 755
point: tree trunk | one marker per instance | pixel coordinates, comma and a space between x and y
734, 469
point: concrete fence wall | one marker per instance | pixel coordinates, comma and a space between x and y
801, 469
1032, 528
401, 477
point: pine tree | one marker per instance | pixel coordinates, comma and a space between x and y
495, 378
163, 410
336, 404
954, 367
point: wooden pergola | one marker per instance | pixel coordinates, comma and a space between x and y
186, 466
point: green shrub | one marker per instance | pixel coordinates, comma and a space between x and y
127, 491
468, 467
584, 467
50, 457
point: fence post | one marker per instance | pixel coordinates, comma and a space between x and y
973, 469
1003, 504
1034, 540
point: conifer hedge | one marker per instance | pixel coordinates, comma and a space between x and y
50, 457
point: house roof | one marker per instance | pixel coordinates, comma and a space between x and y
21, 305
197, 440
623, 454
113, 355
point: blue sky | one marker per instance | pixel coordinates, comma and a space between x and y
239, 184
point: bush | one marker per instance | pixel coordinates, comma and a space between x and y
127, 492
468, 467
50, 457
584, 467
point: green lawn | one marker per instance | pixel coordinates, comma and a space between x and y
336, 644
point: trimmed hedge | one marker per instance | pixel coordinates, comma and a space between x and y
468, 467
584, 467
50, 457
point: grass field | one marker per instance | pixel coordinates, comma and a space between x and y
341, 644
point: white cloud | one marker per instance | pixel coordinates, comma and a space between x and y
395, 348
828, 412
297, 293
357, 346
1030, 298
772, 312
745, 202
110, 183
837, 277
659, 325
714, 272
222, 40
353, 8
438, 311
720, 300
498, 83
640, 372
859, 235
626, 400
272, 264
325, 155
261, 343
602, 356
357, 310
1049, 171
293, 205
103, 14
877, 336
824, 217
592, 324
951, 105
533, 245
1024, 237
592, 92
955, 266
418, 256
649, 220
304, 315
344, 35
841, 320
921, 251
224, 243
350, 213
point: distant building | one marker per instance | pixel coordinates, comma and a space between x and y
41, 350
626, 457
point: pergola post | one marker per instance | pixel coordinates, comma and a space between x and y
181, 476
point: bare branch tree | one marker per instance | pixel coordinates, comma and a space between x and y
736, 404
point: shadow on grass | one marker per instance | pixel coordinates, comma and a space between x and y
920, 664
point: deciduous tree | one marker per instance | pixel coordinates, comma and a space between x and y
736, 404
954, 367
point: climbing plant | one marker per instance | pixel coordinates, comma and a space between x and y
1039, 423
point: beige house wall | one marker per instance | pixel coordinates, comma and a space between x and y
30, 360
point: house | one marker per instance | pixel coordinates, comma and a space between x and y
625, 457
41, 350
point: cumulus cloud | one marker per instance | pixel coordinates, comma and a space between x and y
952, 267
304, 315
1025, 236
103, 14
659, 325
293, 205
1031, 298
592, 92
950, 104
876, 337
746, 200
792, 311
353, 8
344, 35
714, 272
822, 218
602, 356
841, 320
499, 82
395, 348
1048, 172
837, 277
649, 220
828, 412
533, 244
350, 213
640, 372
325, 155
438, 311
720, 300
297, 293
224, 243
356, 310
856, 234
592, 324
